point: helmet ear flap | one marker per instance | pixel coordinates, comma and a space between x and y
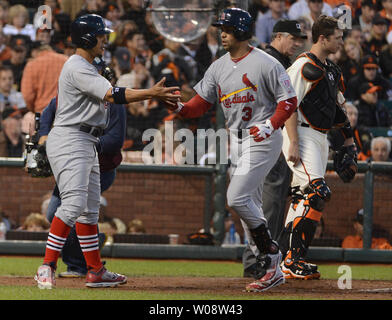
88, 41
242, 35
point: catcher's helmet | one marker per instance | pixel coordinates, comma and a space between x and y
84, 30
240, 19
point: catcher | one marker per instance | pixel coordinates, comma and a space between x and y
319, 86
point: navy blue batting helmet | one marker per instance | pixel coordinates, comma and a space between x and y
86, 28
239, 19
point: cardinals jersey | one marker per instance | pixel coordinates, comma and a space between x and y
248, 89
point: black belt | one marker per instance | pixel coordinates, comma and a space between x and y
306, 125
94, 131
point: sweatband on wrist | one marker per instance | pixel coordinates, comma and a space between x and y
179, 107
118, 94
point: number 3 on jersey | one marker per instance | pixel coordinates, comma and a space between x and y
247, 113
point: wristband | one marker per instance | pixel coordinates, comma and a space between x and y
118, 94
180, 105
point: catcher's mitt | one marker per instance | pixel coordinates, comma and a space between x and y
37, 163
108, 73
345, 163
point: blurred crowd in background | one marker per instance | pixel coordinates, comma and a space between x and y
31, 59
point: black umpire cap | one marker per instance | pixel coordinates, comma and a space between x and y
290, 26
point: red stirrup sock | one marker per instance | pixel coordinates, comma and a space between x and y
58, 233
88, 239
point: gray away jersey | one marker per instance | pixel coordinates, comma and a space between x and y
248, 90
80, 94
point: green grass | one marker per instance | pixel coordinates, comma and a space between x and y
27, 266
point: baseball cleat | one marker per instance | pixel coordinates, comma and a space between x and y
272, 278
313, 267
45, 277
299, 269
104, 278
71, 274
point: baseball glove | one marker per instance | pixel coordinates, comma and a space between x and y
108, 73
37, 164
345, 163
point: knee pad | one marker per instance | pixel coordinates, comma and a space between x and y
317, 194
320, 187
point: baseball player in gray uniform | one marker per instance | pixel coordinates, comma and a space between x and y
82, 110
257, 97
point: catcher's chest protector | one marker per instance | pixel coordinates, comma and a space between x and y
319, 104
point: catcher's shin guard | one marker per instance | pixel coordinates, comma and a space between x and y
303, 232
309, 212
284, 237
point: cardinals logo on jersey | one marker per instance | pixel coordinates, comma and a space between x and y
236, 97
248, 83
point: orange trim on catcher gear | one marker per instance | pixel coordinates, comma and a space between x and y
356, 133
313, 63
311, 125
343, 86
314, 84
288, 256
313, 214
296, 221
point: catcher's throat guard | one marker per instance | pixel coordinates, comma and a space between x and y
36, 162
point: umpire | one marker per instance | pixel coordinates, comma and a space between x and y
287, 38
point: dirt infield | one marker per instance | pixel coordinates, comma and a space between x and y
308, 289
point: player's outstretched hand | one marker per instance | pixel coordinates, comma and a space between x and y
166, 94
261, 132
